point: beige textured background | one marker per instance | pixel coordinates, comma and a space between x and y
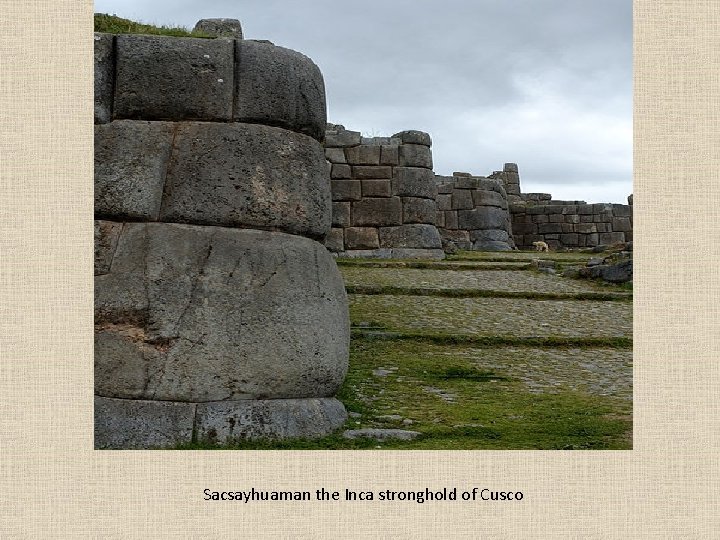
53, 485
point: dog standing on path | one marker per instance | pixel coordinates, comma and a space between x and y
541, 246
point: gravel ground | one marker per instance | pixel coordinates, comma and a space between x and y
495, 316
600, 371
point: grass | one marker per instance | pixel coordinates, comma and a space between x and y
482, 293
488, 409
112, 24
476, 392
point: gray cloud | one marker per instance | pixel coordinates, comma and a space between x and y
544, 83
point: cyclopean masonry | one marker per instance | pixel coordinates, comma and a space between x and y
219, 314
383, 193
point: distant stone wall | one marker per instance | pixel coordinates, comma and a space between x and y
383, 195
473, 212
566, 224
219, 315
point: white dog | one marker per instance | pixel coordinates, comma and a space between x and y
541, 246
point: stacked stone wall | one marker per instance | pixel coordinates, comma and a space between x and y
219, 315
570, 224
383, 195
473, 212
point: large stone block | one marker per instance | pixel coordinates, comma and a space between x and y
107, 234
194, 313
549, 228
342, 138
247, 175
389, 155
491, 245
169, 78
131, 161
621, 224
410, 236
340, 171
485, 217
586, 228
570, 239
279, 87
361, 238
370, 172
417, 210
136, 424
462, 199
377, 212
104, 62
346, 190
622, 210
363, 155
460, 238
612, 238
415, 155
490, 235
377, 188
444, 201
230, 28
340, 214
451, 219
224, 422
483, 197
413, 136
524, 228
414, 182
335, 240
335, 155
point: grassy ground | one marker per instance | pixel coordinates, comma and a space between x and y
112, 24
469, 367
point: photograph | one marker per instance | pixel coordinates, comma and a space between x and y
372, 226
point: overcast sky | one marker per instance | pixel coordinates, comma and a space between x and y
546, 84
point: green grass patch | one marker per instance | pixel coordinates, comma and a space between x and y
482, 293
457, 406
112, 24
492, 341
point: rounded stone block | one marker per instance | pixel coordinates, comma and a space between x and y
416, 210
230, 421
220, 28
104, 62
414, 182
136, 424
131, 159
415, 155
279, 87
171, 78
484, 217
410, 236
193, 313
413, 136
247, 175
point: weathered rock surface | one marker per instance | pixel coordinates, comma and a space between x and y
104, 73
191, 313
130, 423
228, 421
131, 160
220, 28
410, 236
247, 175
164, 78
133, 423
279, 87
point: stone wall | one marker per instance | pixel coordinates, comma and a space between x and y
473, 212
537, 217
565, 224
383, 194
219, 315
